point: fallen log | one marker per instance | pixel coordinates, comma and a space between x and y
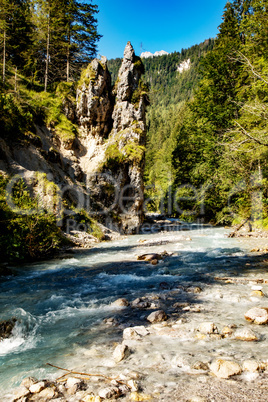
238, 228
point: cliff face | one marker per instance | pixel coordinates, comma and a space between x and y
113, 130
101, 168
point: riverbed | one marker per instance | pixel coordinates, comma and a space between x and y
65, 315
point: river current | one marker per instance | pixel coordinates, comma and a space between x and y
61, 305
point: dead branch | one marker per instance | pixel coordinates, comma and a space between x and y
83, 374
250, 136
238, 228
246, 61
229, 278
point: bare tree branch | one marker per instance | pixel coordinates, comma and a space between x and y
250, 136
254, 72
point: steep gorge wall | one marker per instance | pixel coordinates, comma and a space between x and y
102, 168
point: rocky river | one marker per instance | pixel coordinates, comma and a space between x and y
170, 326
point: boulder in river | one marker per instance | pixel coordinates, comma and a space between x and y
157, 316
225, 368
120, 303
6, 328
149, 257
257, 315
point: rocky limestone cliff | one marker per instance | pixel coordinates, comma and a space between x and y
101, 168
116, 152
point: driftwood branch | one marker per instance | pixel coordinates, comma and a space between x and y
238, 228
83, 374
229, 278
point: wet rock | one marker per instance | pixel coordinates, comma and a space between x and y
257, 315
200, 366
38, 387
139, 303
120, 353
208, 328
109, 392
74, 384
154, 262
21, 393
46, 394
120, 303
251, 365
6, 328
110, 321
157, 316
28, 382
149, 257
227, 331
245, 334
130, 333
194, 289
225, 368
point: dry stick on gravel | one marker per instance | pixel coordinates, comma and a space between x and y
229, 278
84, 374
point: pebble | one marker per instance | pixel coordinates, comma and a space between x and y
251, 365
36, 388
225, 368
120, 353
157, 316
208, 328
109, 392
257, 315
245, 334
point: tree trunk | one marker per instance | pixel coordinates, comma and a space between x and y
47, 53
68, 58
4, 58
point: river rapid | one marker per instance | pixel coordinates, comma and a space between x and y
61, 307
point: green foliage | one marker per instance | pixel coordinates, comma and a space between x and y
87, 75
82, 217
29, 233
64, 33
222, 142
122, 151
16, 119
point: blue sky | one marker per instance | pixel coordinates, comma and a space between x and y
159, 25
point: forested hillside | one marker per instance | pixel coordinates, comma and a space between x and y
221, 138
169, 89
207, 141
